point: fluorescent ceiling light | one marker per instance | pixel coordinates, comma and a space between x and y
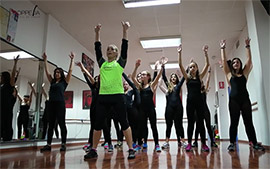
160, 42
173, 65
12, 55
144, 3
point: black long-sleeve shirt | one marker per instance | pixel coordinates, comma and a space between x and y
129, 94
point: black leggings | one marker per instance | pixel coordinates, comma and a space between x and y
92, 123
207, 120
144, 115
195, 105
105, 103
174, 114
23, 119
133, 119
243, 106
57, 111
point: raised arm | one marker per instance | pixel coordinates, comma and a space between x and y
85, 72
208, 79
48, 74
179, 49
70, 67
226, 68
32, 88
134, 73
162, 88
100, 59
13, 73
18, 95
44, 93
155, 81
248, 65
31, 93
123, 57
205, 68
164, 77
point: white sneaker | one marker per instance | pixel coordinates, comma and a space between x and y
165, 145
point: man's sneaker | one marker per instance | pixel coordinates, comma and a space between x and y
63, 147
195, 144
231, 147
131, 154
214, 144
166, 145
138, 148
145, 145
157, 148
259, 147
188, 147
91, 154
110, 149
85, 146
106, 146
205, 148
46, 148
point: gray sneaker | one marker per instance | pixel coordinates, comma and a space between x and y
166, 145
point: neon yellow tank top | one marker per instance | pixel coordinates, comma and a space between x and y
111, 78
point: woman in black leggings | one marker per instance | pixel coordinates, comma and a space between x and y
239, 101
57, 109
174, 108
194, 98
147, 107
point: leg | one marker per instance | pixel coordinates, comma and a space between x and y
61, 119
235, 115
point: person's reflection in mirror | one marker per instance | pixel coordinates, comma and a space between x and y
7, 92
23, 118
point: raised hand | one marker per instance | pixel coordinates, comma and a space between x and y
247, 41
138, 63
71, 55
179, 49
44, 56
98, 28
205, 48
222, 44
125, 25
43, 84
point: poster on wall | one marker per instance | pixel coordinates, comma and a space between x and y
4, 16
68, 99
88, 64
12, 25
87, 99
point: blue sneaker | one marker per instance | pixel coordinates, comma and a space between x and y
137, 148
144, 145
134, 145
157, 148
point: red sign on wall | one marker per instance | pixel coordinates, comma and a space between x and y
221, 85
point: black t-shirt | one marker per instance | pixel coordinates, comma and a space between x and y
7, 97
238, 88
57, 90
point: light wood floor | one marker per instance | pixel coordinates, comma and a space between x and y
173, 158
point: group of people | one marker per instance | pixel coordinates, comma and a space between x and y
132, 106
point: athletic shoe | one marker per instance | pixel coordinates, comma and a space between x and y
110, 149
231, 147
250, 144
46, 148
106, 146
205, 148
195, 144
92, 154
145, 145
118, 145
131, 154
138, 148
88, 148
85, 147
157, 148
166, 145
63, 147
134, 145
258, 147
103, 144
214, 144
188, 147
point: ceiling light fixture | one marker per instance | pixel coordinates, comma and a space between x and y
144, 3
161, 42
170, 65
12, 55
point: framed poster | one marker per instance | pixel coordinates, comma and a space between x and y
12, 25
68, 99
87, 99
88, 64
4, 16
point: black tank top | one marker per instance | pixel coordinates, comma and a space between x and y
194, 88
238, 88
24, 109
147, 97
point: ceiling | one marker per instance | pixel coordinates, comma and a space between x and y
197, 22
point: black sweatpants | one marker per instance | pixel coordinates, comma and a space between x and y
23, 119
244, 107
57, 111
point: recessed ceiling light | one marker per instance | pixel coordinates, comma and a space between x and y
160, 42
12, 55
172, 65
144, 3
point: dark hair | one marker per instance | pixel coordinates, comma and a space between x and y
61, 73
233, 71
197, 72
27, 96
5, 77
177, 79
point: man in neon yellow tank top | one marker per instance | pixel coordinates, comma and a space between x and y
111, 92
